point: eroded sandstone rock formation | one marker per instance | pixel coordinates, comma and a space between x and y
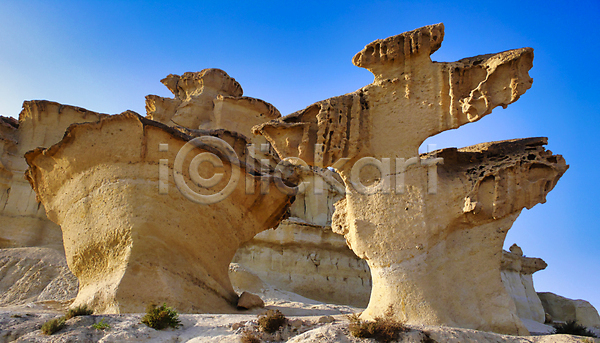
435, 258
132, 238
303, 255
211, 99
431, 233
517, 277
41, 124
563, 309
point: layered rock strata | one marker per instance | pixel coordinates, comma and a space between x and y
303, 255
431, 233
35, 275
517, 277
41, 123
130, 236
309, 260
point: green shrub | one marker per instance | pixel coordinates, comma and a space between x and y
81, 310
53, 325
571, 327
101, 325
384, 329
250, 337
161, 317
271, 321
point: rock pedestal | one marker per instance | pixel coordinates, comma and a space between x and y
436, 258
130, 236
431, 228
517, 277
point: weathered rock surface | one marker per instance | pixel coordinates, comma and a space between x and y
439, 261
130, 236
303, 255
431, 234
306, 259
41, 124
33, 275
249, 300
517, 277
194, 93
565, 309
411, 99
212, 100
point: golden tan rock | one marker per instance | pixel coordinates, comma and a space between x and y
249, 300
192, 106
565, 309
130, 236
41, 124
411, 99
517, 277
435, 258
303, 255
431, 233
209, 100
306, 259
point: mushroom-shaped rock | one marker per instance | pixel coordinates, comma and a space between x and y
517, 271
435, 250
130, 236
432, 234
209, 99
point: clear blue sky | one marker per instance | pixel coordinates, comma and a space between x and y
107, 55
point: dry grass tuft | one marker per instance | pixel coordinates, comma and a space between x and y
250, 337
383, 330
82, 310
271, 321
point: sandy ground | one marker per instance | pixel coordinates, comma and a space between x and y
309, 321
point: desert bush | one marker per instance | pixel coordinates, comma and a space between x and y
571, 327
101, 325
53, 325
271, 321
250, 337
81, 310
382, 329
161, 317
